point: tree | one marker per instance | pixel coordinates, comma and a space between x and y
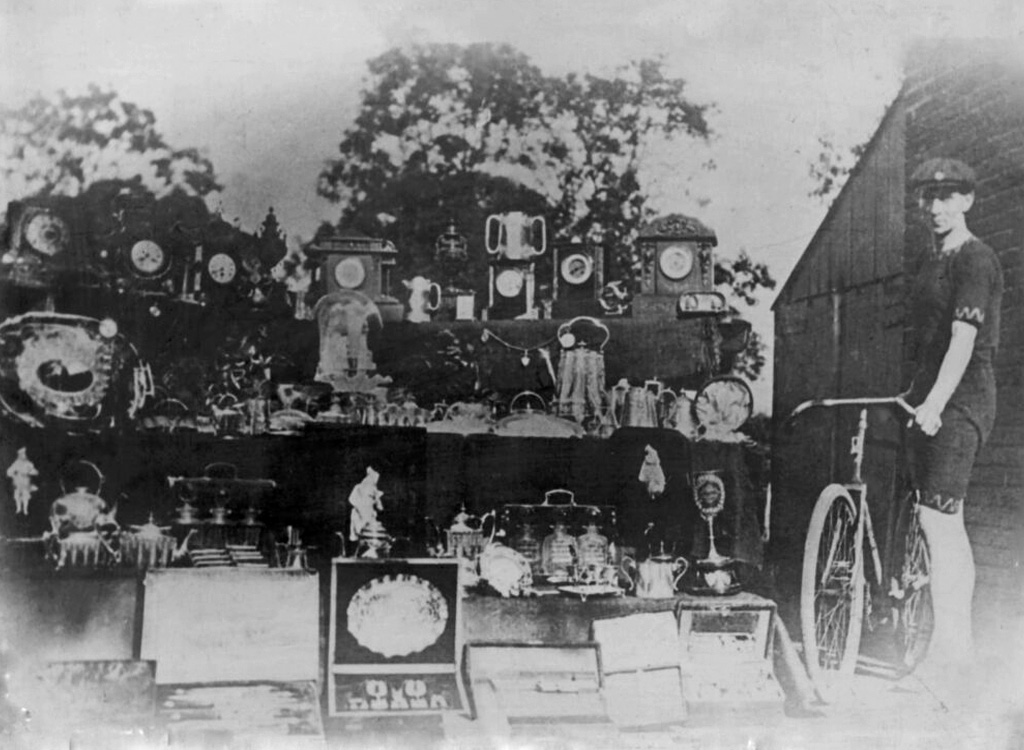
832, 167
740, 279
479, 128
62, 146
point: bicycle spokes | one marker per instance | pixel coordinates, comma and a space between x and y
836, 591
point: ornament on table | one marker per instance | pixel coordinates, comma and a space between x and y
365, 500
420, 302
296, 274
651, 473
21, 472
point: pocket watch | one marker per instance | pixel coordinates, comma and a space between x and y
509, 282
577, 268
676, 262
221, 268
148, 259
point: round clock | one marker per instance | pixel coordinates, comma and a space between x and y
676, 262
577, 268
723, 404
47, 234
148, 259
509, 282
222, 268
350, 273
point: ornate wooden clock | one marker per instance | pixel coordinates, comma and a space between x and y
578, 270
678, 269
354, 262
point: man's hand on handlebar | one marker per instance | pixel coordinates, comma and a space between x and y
928, 418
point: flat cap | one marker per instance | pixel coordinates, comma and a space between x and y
943, 172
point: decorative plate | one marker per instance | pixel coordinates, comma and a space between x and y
597, 589
47, 233
723, 404
397, 615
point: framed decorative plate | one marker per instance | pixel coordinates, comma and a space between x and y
723, 404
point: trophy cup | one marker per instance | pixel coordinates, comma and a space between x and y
715, 574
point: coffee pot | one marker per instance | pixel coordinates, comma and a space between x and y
656, 577
516, 236
635, 406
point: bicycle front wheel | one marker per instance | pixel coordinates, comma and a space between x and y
832, 588
910, 587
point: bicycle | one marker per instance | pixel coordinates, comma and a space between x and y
834, 584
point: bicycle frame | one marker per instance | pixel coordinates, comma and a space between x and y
857, 487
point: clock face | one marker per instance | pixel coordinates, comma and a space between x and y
350, 273
222, 268
577, 268
47, 234
148, 259
676, 262
509, 282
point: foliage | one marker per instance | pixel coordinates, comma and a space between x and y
740, 279
449, 131
832, 167
64, 145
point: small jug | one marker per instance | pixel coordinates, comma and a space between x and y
421, 290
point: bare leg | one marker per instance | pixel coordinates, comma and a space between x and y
952, 585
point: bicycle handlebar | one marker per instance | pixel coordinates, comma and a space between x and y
869, 401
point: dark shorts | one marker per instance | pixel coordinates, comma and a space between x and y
943, 462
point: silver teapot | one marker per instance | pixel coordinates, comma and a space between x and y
656, 577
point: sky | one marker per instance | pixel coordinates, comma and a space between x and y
266, 88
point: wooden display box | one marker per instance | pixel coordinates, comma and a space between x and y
395, 638
537, 683
237, 655
725, 653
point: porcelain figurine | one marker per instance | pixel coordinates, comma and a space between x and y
365, 500
21, 472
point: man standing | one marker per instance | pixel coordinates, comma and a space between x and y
955, 307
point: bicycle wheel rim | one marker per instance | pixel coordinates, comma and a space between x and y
832, 589
912, 590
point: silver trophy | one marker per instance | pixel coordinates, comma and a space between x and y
715, 573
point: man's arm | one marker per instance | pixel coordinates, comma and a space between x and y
954, 363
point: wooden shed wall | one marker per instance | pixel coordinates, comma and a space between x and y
839, 332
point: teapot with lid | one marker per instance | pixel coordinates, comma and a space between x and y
656, 577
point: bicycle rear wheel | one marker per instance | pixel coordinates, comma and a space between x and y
832, 589
910, 587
